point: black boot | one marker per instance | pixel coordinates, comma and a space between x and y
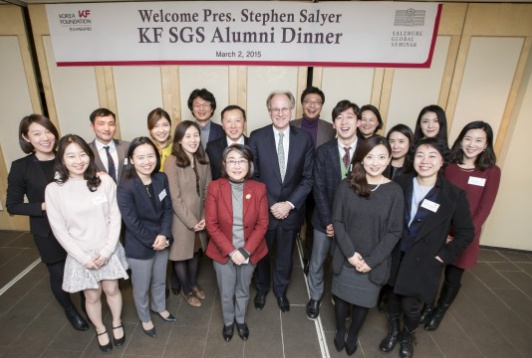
428, 308
388, 343
447, 297
76, 320
408, 340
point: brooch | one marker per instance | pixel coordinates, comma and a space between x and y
248, 196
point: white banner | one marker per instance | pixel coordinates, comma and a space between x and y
374, 34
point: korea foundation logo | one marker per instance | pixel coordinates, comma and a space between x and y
76, 21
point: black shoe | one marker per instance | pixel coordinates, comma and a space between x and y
408, 340
243, 331
75, 319
313, 309
339, 341
150, 332
426, 313
106, 348
119, 341
175, 290
447, 297
389, 342
260, 300
227, 332
283, 303
351, 348
169, 318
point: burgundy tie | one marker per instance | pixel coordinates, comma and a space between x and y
346, 158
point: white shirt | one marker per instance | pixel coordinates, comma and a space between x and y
352, 148
239, 141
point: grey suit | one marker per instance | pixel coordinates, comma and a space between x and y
326, 131
121, 149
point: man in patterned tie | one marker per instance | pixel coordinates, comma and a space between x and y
283, 157
109, 153
331, 165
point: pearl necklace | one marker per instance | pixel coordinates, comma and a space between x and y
377, 187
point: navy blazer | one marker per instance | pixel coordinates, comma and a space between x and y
216, 132
144, 222
214, 151
26, 178
418, 273
297, 182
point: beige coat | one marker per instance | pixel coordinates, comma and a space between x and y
187, 206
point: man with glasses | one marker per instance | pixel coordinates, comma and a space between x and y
283, 158
202, 104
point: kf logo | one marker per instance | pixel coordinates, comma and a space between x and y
84, 13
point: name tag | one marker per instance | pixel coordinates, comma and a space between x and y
126, 162
476, 181
162, 195
430, 205
100, 199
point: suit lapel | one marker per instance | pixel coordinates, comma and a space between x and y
146, 201
97, 159
273, 148
335, 160
225, 189
292, 153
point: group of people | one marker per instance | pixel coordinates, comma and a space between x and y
394, 212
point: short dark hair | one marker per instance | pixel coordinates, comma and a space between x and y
182, 159
155, 115
344, 105
129, 170
376, 112
436, 143
204, 95
312, 90
484, 160
245, 152
91, 173
233, 107
357, 178
101, 112
442, 120
24, 128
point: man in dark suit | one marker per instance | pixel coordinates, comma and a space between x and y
233, 122
109, 153
321, 131
331, 165
283, 157
202, 104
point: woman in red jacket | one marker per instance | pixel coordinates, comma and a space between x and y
236, 217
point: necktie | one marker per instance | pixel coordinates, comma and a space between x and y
280, 155
346, 158
110, 164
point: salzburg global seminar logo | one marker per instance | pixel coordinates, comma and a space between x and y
409, 17
76, 21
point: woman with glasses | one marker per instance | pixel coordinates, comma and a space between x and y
236, 215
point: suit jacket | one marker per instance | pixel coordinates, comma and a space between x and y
188, 207
214, 151
326, 131
26, 178
219, 220
297, 182
327, 177
418, 273
216, 132
121, 150
143, 221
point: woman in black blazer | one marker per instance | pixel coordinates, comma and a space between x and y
144, 201
28, 177
431, 204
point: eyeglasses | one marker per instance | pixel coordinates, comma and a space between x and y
309, 102
234, 163
280, 110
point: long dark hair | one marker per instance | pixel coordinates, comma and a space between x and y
442, 120
129, 170
407, 132
484, 160
24, 127
182, 159
357, 178
90, 175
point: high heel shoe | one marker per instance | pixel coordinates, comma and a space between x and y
119, 341
169, 318
150, 332
106, 348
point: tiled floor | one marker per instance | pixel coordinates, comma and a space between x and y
492, 317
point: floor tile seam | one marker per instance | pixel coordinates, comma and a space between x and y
489, 288
17, 237
17, 278
464, 332
209, 323
513, 284
322, 340
435, 342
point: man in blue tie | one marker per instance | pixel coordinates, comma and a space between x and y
283, 157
